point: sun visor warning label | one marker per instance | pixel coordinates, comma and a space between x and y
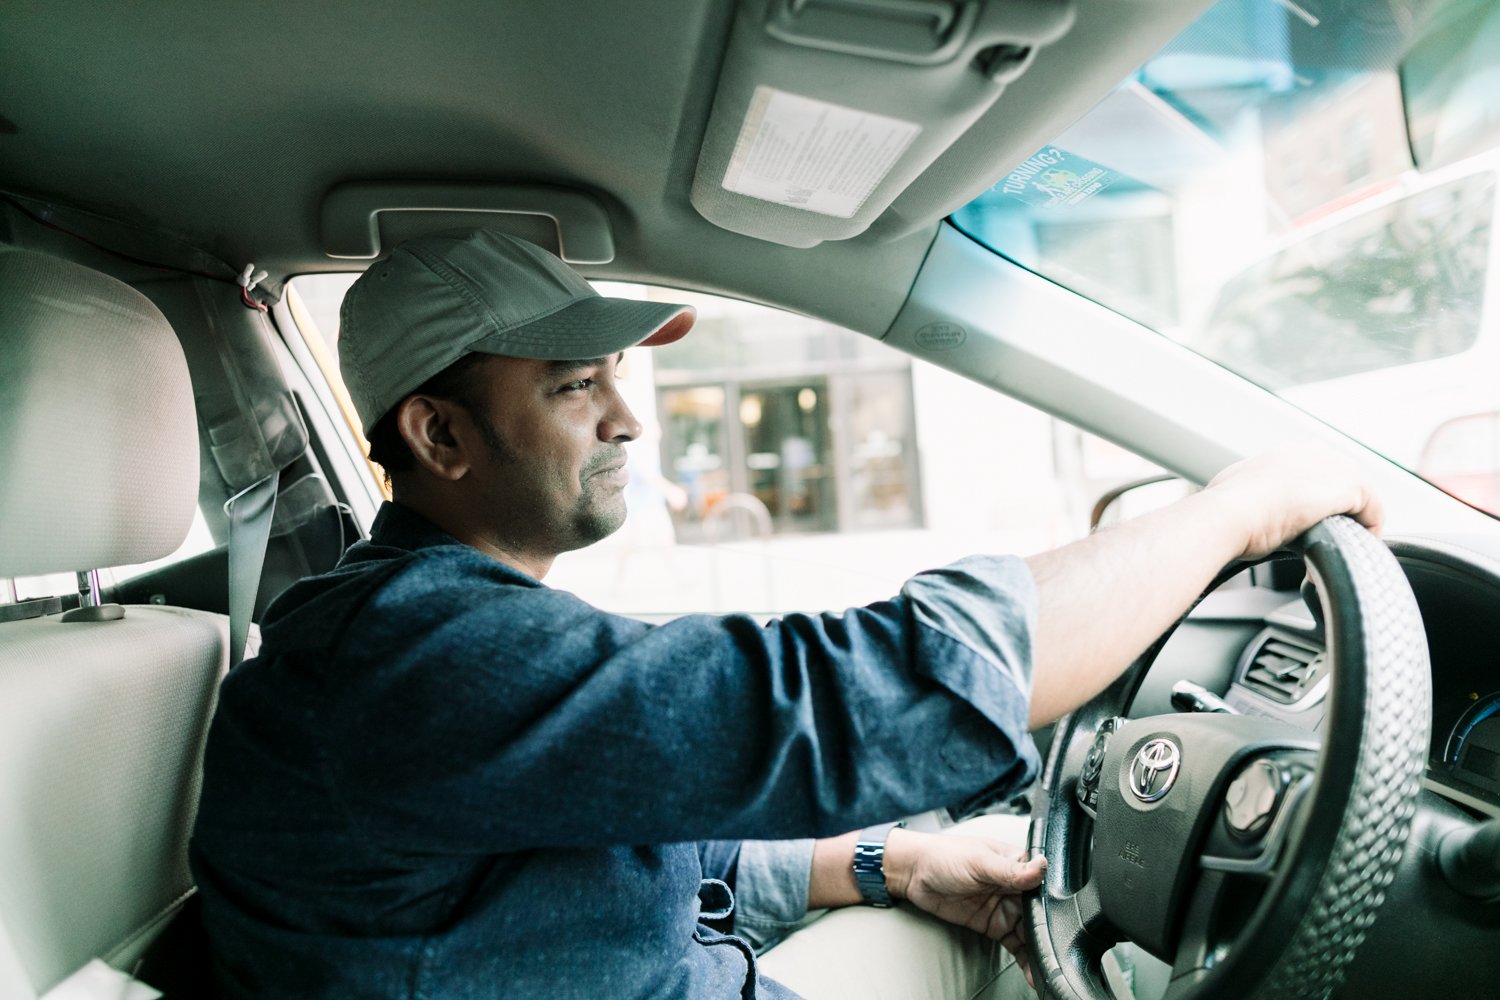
812, 155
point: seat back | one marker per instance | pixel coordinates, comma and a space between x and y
102, 720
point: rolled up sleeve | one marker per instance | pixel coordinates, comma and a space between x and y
771, 889
960, 601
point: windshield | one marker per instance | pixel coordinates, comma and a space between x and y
1252, 193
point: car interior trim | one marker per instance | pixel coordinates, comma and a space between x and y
351, 215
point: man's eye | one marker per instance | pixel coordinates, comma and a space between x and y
578, 385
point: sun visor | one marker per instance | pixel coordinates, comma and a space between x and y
362, 220
827, 109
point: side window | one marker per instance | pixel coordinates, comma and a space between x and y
789, 464
28, 588
313, 301
774, 424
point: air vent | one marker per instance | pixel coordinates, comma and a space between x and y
1284, 669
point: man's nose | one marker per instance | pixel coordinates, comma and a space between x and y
618, 423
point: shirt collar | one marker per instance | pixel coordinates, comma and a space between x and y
400, 527
403, 528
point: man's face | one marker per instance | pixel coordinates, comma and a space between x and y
553, 473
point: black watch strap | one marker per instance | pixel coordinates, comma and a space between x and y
869, 864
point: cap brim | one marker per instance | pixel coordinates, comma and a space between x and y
592, 328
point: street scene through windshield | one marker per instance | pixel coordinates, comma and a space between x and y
1307, 200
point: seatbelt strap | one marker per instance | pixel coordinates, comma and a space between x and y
250, 512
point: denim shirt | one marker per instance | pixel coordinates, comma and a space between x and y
442, 779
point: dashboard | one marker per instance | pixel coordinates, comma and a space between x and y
1257, 642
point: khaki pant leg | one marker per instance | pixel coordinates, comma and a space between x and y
867, 953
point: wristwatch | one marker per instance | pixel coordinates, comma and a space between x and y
869, 863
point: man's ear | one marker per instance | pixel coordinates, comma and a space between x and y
426, 425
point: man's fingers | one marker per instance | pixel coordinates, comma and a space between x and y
1009, 911
1013, 944
1372, 514
1013, 875
1284, 492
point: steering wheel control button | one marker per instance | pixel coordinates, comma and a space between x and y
1154, 769
1092, 764
1252, 798
1087, 792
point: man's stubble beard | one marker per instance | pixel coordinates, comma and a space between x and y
599, 513
595, 516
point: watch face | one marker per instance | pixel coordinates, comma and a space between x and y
869, 860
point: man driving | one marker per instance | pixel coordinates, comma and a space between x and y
441, 778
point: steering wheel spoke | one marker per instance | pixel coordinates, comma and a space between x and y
1200, 945
1090, 915
1261, 810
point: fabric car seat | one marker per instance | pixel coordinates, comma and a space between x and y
102, 718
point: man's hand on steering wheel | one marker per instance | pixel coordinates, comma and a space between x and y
1283, 493
1103, 599
973, 882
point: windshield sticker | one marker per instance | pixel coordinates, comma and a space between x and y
1056, 177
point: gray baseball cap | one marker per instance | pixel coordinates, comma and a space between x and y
437, 298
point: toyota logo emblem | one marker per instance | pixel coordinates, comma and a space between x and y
1154, 769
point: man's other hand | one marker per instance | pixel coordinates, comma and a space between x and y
974, 882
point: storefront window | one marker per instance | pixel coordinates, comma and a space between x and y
777, 424
787, 461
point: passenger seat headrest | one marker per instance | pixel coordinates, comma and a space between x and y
98, 437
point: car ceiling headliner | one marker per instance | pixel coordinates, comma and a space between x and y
223, 126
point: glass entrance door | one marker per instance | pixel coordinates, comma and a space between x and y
787, 450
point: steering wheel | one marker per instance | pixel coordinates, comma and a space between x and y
1235, 847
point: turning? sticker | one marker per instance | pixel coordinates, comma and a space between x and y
1054, 177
